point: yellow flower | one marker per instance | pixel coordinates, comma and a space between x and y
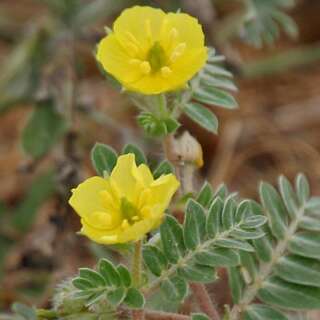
124, 206
151, 52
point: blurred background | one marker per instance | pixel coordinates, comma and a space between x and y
55, 104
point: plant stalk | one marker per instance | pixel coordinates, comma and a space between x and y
136, 276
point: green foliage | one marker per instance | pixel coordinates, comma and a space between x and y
165, 167
44, 128
212, 84
40, 190
24, 312
157, 126
284, 270
139, 155
21, 71
109, 283
211, 236
202, 116
264, 19
103, 158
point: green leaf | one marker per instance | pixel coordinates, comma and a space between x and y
202, 116
221, 192
171, 125
249, 263
139, 155
39, 191
172, 239
199, 316
134, 299
152, 125
103, 158
254, 222
194, 224
44, 128
299, 270
306, 244
214, 217
288, 295
310, 223
165, 167
82, 284
26, 312
175, 288
215, 97
288, 196
302, 188
205, 195
275, 210
94, 277
263, 246
154, 259
217, 71
109, 273
197, 273
313, 205
228, 213
218, 257
236, 284
263, 312
247, 234
115, 297
234, 244
124, 275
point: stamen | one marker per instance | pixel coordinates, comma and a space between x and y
132, 48
132, 38
173, 34
135, 218
165, 72
178, 51
145, 67
125, 224
135, 62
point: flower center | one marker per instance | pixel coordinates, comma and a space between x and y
129, 212
156, 57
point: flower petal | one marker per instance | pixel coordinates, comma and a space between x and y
86, 197
143, 23
124, 177
162, 191
100, 236
145, 175
116, 60
136, 231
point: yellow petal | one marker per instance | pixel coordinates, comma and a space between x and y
116, 60
145, 175
143, 23
188, 29
86, 197
124, 177
99, 236
162, 191
136, 231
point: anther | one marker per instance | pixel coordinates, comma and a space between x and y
165, 72
125, 224
145, 67
178, 51
135, 62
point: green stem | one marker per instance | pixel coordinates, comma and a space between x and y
47, 314
136, 264
162, 104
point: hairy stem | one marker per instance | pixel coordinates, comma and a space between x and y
159, 315
205, 303
136, 275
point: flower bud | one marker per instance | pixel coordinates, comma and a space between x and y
189, 149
